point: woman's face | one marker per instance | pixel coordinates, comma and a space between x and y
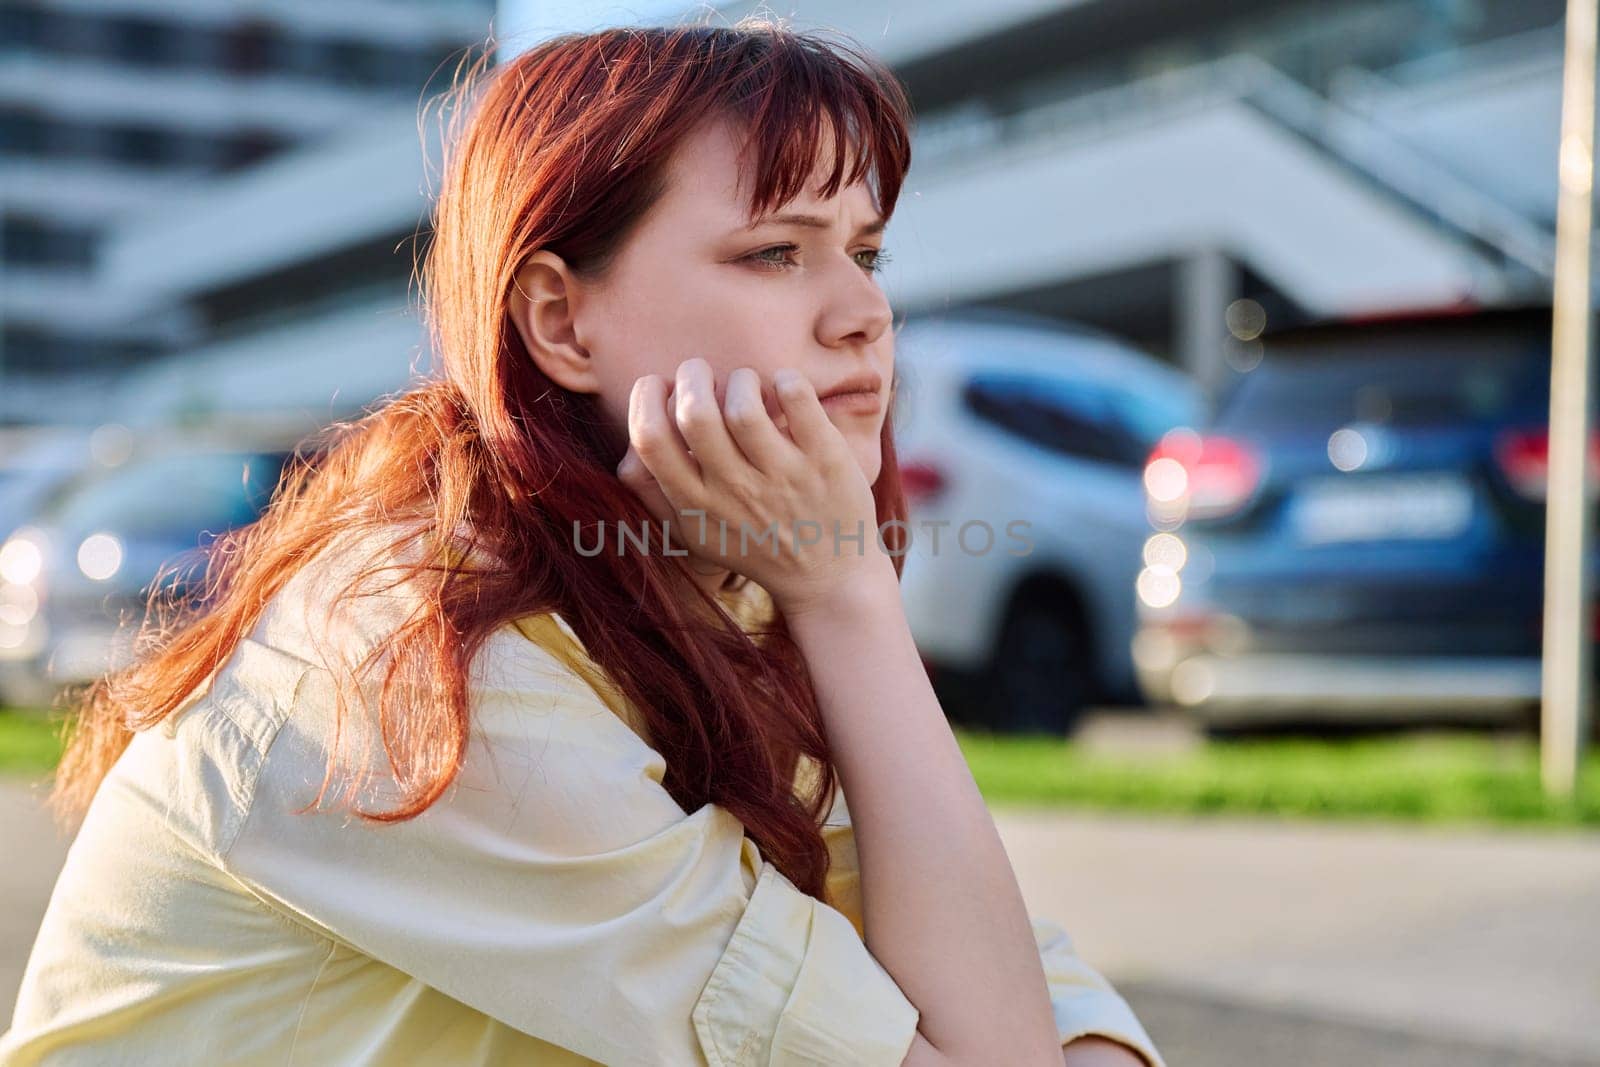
693, 280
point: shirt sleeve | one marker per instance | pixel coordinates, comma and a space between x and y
559, 888
1084, 1001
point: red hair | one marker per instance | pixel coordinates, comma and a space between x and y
563, 147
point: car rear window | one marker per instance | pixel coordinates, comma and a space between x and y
1400, 375
1080, 418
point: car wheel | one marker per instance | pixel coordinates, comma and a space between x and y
1042, 674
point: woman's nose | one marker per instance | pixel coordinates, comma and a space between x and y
860, 311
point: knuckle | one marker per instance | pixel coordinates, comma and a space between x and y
693, 410
635, 472
794, 479
641, 387
824, 470
649, 440
749, 497
742, 412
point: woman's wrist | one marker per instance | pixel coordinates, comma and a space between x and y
870, 586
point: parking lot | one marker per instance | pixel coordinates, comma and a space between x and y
1229, 357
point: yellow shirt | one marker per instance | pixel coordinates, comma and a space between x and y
556, 906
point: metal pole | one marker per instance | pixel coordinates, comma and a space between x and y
1564, 685
1207, 282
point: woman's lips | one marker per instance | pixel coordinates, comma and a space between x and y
839, 404
852, 404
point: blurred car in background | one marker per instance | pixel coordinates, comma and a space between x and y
85, 560
1359, 532
32, 464
1026, 438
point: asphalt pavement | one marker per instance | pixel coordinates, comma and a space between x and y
1241, 940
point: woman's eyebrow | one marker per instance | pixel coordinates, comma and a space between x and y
815, 222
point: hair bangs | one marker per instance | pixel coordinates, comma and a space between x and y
802, 105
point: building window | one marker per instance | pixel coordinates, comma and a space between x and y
141, 42
21, 27
248, 48
358, 64
22, 133
38, 243
250, 146
144, 144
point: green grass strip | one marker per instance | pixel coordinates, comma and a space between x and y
1429, 777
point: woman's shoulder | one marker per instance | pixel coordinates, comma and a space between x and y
748, 604
359, 589
540, 656
348, 596
355, 592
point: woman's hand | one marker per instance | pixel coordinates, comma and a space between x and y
790, 494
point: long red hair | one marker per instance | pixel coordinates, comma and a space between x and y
564, 148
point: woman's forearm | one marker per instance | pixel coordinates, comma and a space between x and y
941, 908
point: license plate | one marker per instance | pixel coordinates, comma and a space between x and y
1382, 508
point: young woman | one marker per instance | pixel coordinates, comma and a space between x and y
426, 778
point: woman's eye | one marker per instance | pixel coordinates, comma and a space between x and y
876, 257
760, 257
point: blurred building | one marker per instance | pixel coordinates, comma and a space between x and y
301, 271
1144, 164
1179, 173
113, 109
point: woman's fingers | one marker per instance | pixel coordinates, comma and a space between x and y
737, 467
655, 439
699, 418
809, 424
752, 427
636, 476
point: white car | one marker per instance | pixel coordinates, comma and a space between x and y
1022, 444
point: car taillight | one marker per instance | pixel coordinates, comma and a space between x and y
1524, 458
921, 481
1200, 475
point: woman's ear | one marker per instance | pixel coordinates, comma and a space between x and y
543, 309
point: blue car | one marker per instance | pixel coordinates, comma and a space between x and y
75, 577
1357, 532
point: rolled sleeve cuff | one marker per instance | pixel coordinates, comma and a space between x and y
1083, 1000
796, 985
1106, 1014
